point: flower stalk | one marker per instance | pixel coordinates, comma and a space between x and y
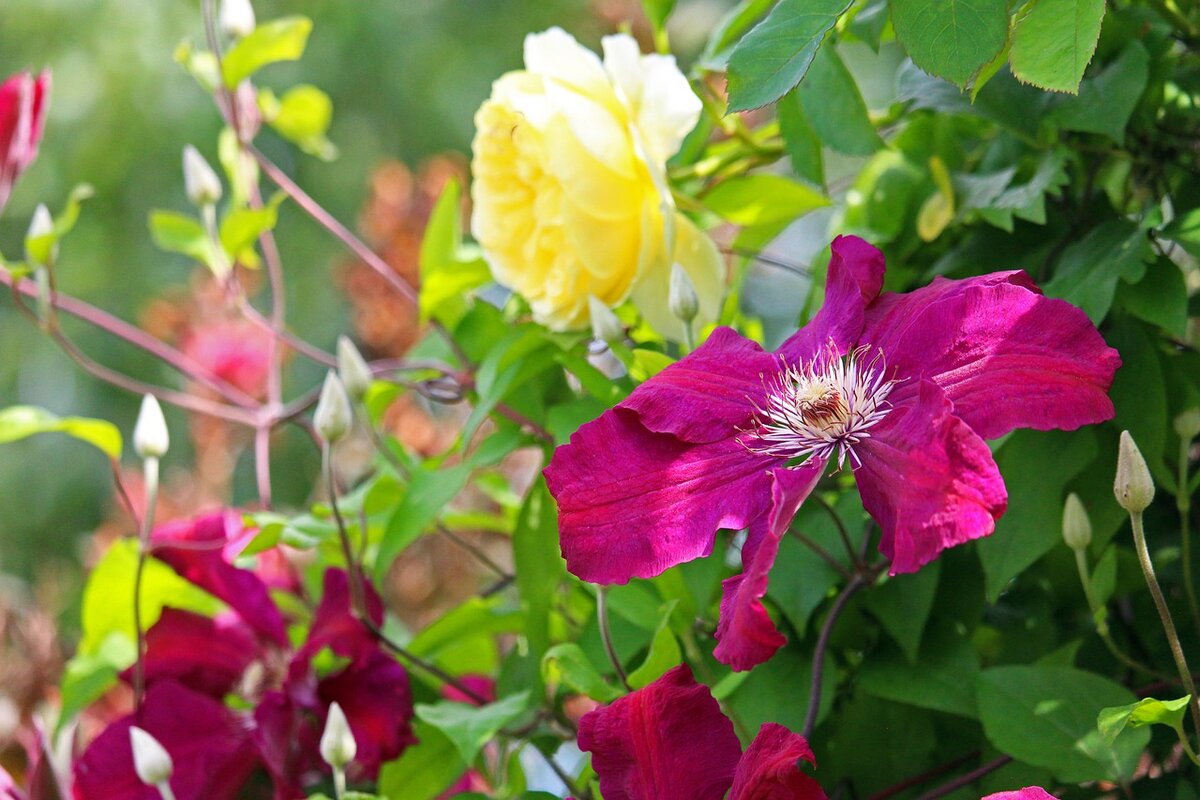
606, 635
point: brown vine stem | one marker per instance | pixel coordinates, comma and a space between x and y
858, 582
967, 779
924, 777
606, 635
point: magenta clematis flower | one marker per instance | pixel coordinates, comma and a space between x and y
903, 389
23, 102
197, 660
670, 741
1028, 793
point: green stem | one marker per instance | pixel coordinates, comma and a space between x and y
1164, 613
1184, 503
150, 471
606, 635
1102, 629
339, 782
164, 789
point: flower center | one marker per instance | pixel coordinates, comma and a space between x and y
827, 405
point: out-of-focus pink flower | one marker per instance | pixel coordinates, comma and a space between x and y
902, 387
8, 788
670, 741
23, 102
1028, 793
236, 351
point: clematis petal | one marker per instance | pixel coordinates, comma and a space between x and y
769, 769
709, 394
286, 739
205, 654
852, 282
23, 103
746, 636
667, 741
632, 503
1028, 793
928, 480
207, 742
375, 694
195, 548
335, 625
1006, 356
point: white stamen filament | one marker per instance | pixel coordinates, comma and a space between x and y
827, 405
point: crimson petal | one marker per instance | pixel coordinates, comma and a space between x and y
666, 741
632, 503
746, 636
205, 654
1028, 793
770, 769
928, 480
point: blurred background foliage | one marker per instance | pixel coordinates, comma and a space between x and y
405, 77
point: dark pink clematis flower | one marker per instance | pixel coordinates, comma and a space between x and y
23, 102
901, 388
670, 741
234, 351
1028, 793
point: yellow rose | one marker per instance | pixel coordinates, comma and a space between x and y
570, 191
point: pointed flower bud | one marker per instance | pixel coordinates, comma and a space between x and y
1133, 486
41, 225
202, 184
352, 369
338, 747
237, 18
605, 325
333, 416
1076, 527
681, 298
1187, 424
150, 438
151, 761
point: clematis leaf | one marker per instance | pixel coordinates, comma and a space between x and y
426, 769
471, 727
19, 422
279, 40
540, 569
1147, 711
567, 663
664, 651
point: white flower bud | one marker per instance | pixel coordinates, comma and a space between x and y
237, 18
1187, 424
202, 184
333, 416
150, 760
338, 747
150, 438
1133, 486
681, 298
1076, 527
352, 369
605, 325
42, 223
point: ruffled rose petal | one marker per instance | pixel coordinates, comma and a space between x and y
374, 693
770, 769
1006, 356
667, 741
928, 480
708, 395
205, 654
208, 744
195, 548
852, 282
746, 636
1028, 793
632, 503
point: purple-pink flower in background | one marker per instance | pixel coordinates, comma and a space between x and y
1028, 793
670, 741
901, 388
23, 101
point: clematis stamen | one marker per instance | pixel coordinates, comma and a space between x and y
821, 407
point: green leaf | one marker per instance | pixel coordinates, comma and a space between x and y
540, 569
1088, 272
108, 597
425, 770
429, 491
1160, 298
729, 30
41, 248
471, 727
664, 651
657, 12
902, 606
941, 679
567, 663
800, 139
179, 233
448, 272
1046, 716
1054, 41
835, 108
88, 676
456, 632
19, 422
761, 199
777, 52
1146, 711
647, 363
1106, 101
1037, 466
952, 39
302, 116
272, 42
241, 228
